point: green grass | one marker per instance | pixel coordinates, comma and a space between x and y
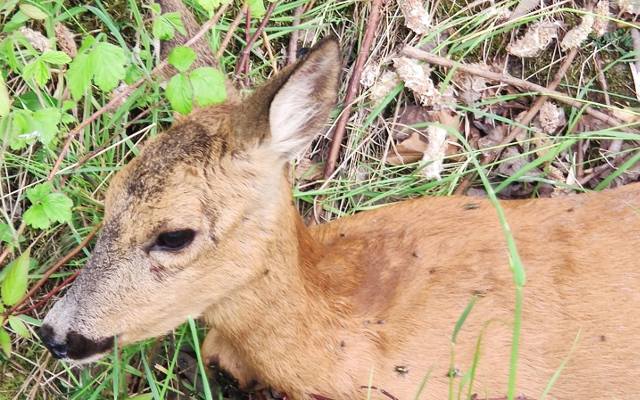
363, 181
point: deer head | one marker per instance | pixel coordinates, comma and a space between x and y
186, 222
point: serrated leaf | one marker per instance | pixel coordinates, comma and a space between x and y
14, 285
36, 218
108, 64
19, 327
182, 57
57, 207
5, 233
208, 86
45, 123
5, 342
175, 19
39, 192
55, 57
79, 75
38, 71
155, 8
5, 100
210, 5
256, 8
162, 29
33, 12
46, 207
19, 125
180, 94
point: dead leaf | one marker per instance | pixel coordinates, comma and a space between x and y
410, 115
537, 38
551, 117
409, 150
416, 77
472, 87
384, 85
579, 34
437, 146
416, 16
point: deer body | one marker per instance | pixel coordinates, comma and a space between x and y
321, 312
379, 293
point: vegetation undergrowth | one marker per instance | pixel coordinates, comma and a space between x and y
63, 62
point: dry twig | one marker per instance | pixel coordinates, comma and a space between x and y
352, 88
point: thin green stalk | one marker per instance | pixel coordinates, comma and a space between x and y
203, 374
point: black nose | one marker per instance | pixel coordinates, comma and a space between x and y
47, 335
75, 346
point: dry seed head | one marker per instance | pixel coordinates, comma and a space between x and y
577, 35
601, 24
536, 38
370, 74
471, 86
36, 39
629, 6
65, 41
384, 85
551, 117
416, 16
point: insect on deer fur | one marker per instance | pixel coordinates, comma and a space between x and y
202, 224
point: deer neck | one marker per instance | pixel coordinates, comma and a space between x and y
289, 299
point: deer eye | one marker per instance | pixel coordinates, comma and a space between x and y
176, 240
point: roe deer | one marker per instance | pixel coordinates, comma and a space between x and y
202, 224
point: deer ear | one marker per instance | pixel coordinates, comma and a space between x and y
301, 106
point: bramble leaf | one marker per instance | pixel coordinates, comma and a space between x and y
79, 75
108, 65
19, 327
5, 342
14, 285
180, 94
208, 86
182, 57
38, 71
256, 8
5, 100
55, 57
47, 207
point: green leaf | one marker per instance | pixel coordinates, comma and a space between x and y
46, 207
19, 327
38, 71
208, 86
109, 65
45, 123
55, 57
256, 8
182, 57
5, 342
155, 8
33, 12
180, 94
79, 75
175, 19
210, 5
14, 285
5, 100
5, 233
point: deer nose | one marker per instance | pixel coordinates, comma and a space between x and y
48, 337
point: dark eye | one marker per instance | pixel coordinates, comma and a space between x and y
176, 240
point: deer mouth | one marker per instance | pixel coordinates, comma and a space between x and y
75, 347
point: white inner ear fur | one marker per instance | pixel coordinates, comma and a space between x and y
292, 108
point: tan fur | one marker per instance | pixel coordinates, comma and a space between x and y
372, 297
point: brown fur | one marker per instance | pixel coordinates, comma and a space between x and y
371, 297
